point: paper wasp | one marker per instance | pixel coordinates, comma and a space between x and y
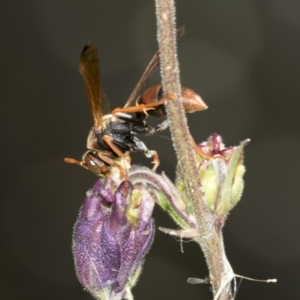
113, 135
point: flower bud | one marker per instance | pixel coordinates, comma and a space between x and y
113, 233
221, 172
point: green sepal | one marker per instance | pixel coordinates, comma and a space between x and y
233, 185
164, 203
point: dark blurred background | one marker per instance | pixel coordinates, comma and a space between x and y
242, 56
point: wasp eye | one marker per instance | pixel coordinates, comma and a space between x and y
95, 164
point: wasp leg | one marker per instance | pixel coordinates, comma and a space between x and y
123, 168
162, 126
110, 142
105, 158
148, 153
155, 157
139, 108
115, 149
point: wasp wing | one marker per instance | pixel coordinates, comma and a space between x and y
89, 69
152, 66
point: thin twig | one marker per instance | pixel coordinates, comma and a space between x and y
165, 14
210, 238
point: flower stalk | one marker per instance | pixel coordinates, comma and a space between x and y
211, 194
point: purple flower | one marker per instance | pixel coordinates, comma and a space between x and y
113, 233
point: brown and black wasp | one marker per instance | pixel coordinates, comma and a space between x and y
114, 135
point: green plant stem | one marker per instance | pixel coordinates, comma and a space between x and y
171, 84
209, 236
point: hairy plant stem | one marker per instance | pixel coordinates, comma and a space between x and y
209, 235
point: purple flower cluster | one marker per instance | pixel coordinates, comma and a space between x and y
113, 232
